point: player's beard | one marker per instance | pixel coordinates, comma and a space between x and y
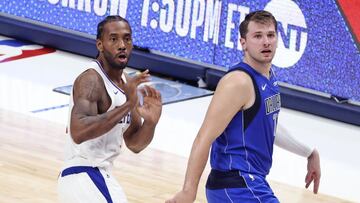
111, 61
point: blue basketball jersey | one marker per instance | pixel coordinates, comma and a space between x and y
247, 142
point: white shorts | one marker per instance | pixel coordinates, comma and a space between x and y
80, 188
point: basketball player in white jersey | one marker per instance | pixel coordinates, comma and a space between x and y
104, 110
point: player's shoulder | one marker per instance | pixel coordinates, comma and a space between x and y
236, 78
89, 80
89, 74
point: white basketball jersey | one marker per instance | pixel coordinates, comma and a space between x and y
100, 151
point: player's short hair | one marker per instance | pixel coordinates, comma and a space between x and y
108, 19
260, 16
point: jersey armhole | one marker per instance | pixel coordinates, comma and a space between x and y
250, 113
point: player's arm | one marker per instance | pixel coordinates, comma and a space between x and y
139, 135
86, 123
135, 122
286, 141
234, 92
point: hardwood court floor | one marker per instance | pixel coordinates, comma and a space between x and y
31, 156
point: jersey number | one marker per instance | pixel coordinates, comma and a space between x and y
275, 118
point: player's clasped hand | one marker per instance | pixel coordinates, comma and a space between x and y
130, 88
150, 110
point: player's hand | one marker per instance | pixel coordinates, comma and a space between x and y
132, 83
314, 171
182, 197
151, 108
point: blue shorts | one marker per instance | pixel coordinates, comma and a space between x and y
233, 187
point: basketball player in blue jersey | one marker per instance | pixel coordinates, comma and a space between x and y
240, 126
104, 111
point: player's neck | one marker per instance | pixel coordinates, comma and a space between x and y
261, 67
113, 73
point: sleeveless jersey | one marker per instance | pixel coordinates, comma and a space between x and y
247, 142
102, 150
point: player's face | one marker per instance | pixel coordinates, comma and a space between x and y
260, 42
116, 44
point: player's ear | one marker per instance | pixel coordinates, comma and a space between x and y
243, 43
99, 45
